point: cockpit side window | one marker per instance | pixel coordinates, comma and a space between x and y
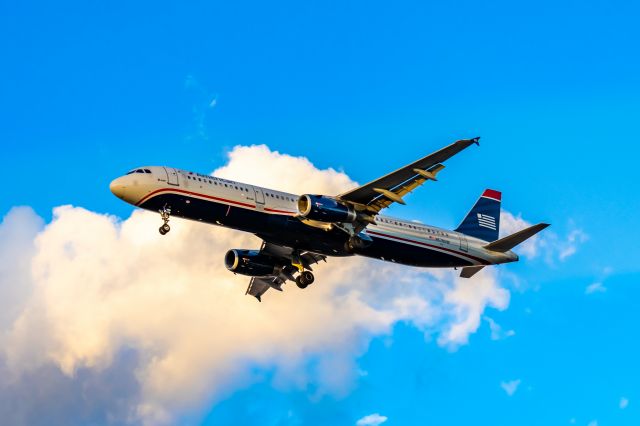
147, 171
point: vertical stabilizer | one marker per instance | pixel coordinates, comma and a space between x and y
483, 221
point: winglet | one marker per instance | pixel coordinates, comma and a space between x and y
476, 140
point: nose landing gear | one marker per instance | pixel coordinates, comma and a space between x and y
165, 212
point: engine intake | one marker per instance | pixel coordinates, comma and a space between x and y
249, 262
324, 209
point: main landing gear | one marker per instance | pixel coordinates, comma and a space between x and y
165, 212
304, 278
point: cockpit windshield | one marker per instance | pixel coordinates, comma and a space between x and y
139, 171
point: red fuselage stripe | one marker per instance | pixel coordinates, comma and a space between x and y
194, 193
483, 261
225, 200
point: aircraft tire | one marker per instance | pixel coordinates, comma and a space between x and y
308, 277
300, 282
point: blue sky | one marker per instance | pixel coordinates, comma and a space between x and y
91, 89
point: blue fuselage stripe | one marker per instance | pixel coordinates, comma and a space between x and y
289, 231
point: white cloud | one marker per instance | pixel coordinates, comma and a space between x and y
546, 243
510, 387
570, 245
497, 332
372, 420
466, 302
258, 165
596, 287
92, 287
510, 224
624, 403
19, 227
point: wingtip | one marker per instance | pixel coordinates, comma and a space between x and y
476, 140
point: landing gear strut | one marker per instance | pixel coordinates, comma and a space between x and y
304, 279
165, 212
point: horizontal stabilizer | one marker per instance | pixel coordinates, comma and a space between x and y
469, 271
507, 243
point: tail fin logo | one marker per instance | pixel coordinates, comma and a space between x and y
487, 221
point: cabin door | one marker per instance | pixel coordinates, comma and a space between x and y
464, 244
259, 196
172, 176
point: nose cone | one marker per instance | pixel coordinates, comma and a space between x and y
118, 187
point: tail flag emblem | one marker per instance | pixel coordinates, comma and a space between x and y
487, 221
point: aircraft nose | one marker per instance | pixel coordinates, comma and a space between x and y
118, 187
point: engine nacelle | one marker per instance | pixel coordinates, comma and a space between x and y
324, 209
249, 262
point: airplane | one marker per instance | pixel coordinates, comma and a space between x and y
299, 231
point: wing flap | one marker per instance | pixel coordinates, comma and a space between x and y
257, 287
405, 188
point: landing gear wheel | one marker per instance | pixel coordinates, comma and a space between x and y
304, 279
164, 229
165, 213
300, 282
308, 277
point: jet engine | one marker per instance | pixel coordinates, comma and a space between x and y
325, 209
250, 262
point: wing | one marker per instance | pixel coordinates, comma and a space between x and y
288, 256
259, 286
382, 192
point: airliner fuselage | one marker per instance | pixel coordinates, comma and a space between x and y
271, 215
